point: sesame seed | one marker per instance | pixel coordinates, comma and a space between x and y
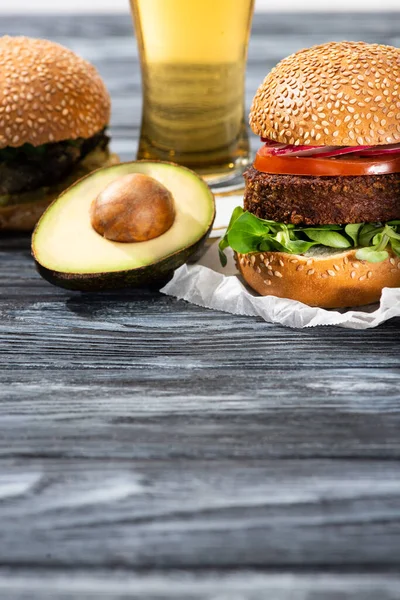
267, 281
330, 82
278, 274
355, 265
300, 268
331, 272
310, 271
392, 261
369, 274
362, 278
336, 267
282, 264
352, 274
28, 93
252, 259
294, 261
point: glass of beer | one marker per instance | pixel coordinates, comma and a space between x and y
193, 61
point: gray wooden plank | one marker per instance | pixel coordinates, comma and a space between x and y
186, 514
248, 585
175, 406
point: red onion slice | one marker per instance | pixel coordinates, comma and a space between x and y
381, 150
309, 151
276, 149
288, 149
268, 142
341, 150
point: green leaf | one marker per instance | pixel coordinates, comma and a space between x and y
321, 228
222, 257
246, 233
329, 238
244, 241
352, 231
391, 233
371, 255
266, 245
270, 243
283, 237
300, 246
237, 212
223, 244
248, 221
274, 223
395, 247
367, 232
380, 241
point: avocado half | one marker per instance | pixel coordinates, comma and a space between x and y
71, 254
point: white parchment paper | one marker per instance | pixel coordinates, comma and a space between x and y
209, 285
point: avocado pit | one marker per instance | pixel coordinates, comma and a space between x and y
133, 208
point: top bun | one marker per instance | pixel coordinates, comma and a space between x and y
336, 94
48, 94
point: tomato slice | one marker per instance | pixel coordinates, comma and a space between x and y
325, 167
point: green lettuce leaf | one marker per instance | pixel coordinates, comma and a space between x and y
329, 238
352, 230
247, 233
371, 255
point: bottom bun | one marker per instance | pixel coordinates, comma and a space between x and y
336, 280
23, 211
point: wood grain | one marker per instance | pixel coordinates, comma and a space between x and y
152, 449
199, 585
185, 513
195, 413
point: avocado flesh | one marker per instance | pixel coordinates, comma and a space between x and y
70, 253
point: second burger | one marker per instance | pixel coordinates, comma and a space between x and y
54, 111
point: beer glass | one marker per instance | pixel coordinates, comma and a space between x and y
193, 60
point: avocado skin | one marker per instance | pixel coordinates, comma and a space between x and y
118, 280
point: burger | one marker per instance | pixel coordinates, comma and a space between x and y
54, 111
321, 217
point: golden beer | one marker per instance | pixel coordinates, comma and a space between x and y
193, 58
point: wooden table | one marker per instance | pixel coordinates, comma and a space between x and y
151, 449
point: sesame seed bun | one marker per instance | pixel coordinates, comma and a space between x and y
335, 94
25, 209
332, 281
48, 94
